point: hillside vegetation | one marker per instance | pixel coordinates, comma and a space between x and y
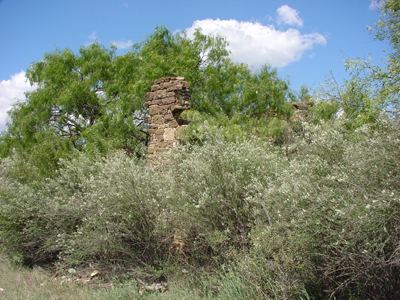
255, 204
240, 220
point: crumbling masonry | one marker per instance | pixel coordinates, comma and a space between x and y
168, 98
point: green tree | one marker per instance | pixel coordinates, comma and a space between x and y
93, 100
389, 29
304, 94
371, 89
357, 99
264, 93
384, 81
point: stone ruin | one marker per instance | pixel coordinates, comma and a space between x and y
168, 98
301, 111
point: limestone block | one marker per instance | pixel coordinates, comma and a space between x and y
169, 134
155, 110
172, 123
157, 119
168, 100
168, 117
155, 87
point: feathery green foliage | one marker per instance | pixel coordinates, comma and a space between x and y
93, 101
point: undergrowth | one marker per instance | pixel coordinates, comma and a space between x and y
229, 220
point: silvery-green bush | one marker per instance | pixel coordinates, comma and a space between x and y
335, 220
93, 211
317, 219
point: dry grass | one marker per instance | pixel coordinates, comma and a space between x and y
36, 284
18, 283
21, 283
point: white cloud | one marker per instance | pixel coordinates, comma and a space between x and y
92, 38
376, 4
12, 91
289, 16
256, 44
122, 44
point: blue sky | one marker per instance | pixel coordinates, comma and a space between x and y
306, 40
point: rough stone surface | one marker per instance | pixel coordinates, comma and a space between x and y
301, 111
168, 98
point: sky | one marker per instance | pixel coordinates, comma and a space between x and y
306, 41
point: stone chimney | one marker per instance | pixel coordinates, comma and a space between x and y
168, 98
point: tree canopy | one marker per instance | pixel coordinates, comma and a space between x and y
93, 100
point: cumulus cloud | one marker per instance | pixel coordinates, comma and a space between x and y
92, 38
12, 91
376, 4
256, 44
289, 16
122, 44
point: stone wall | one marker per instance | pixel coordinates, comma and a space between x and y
301, 111
168, 98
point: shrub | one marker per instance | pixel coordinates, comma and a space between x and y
320, 221
92, 212
324, 110
334, 213
211, 196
